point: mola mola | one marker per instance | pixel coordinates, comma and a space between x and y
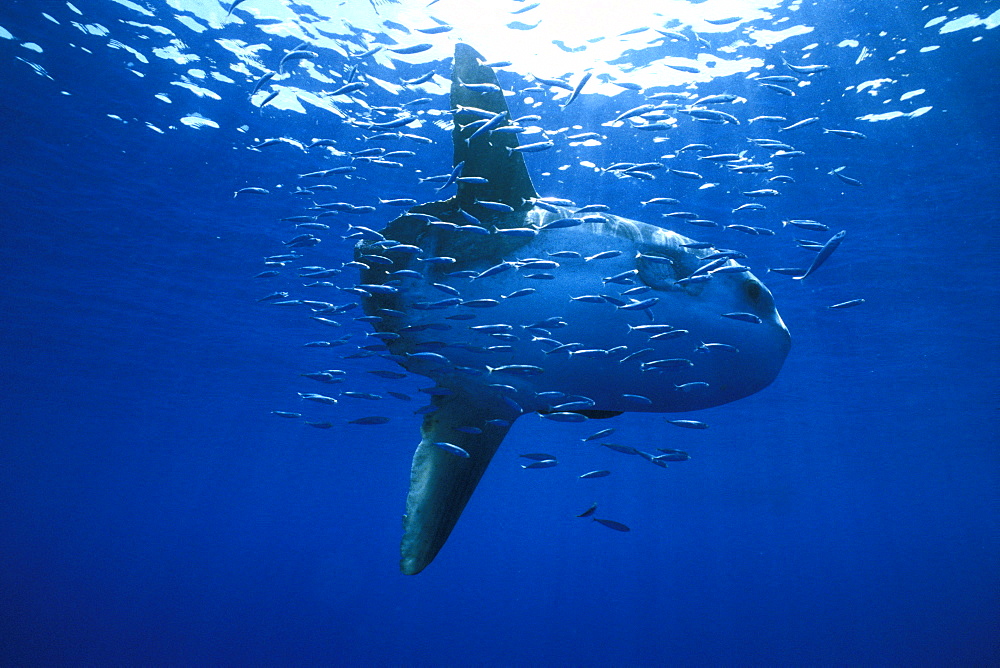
481, 293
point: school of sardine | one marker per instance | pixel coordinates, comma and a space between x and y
764, 161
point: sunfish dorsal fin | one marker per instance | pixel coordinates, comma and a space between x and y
487, 155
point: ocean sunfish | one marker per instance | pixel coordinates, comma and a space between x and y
516, 304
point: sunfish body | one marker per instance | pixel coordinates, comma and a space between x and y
493, 375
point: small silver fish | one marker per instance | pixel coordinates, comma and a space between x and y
361, 395
592, 353
565, 346
731, 269
268, 99
799, 124
671, 363
824, 253
611, 524
805, 69
642, 305
539, 456
562, 223
543, 464
579, 87
807, 225
637, 353
233, 6
599, 434
495, 206
480, 303
688, 424
408, 50
650, 329
527, 8
252, 191
564, 417
517, 232
787, 271
623, 277
685, 174
708, 347
787, 92
848, 304
531, 148
318, 398
745, 317
847, 134
515, 369
666, 336
452, 449
603, 255
624, 449
295, 55
693, 385
838, 172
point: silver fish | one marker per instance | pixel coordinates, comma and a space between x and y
848, 304
295, 55
688, 424
824, 253
745, 317
576, 91
452, 448
612, 524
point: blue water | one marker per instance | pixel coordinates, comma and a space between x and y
154, 512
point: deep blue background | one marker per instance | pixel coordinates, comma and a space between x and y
153, 511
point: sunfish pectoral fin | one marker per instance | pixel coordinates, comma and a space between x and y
441, 481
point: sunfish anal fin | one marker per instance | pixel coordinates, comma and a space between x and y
487, 155
441, 482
